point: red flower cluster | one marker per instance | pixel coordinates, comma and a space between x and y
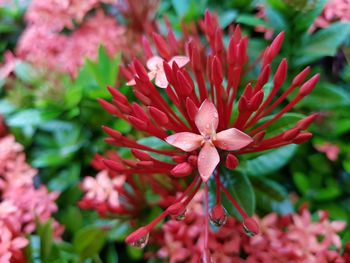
291, 238
21, 204
207, 110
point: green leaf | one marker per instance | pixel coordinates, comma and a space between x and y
45, 231
33, 249
112, 255
181, 7
270, 162
25, 72
326, 96
65, 179
6, 107
251, 20
301, 182
304, 20
240, 189
89, 241
271, 188
286, 122
227, 17
323, 43
29, 117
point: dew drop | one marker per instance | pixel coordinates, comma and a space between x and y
218, 220
181, 216
142, 242
247, 231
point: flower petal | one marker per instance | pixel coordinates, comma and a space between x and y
186, 141
154, 63
181, 61
161, 80
208, 159
232, 139
207, 118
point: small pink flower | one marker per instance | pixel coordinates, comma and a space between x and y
103, 188
207, 120
330, 150
156, 69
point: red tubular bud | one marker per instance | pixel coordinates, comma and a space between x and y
142, 156
137, 235
179, 159
276, 45
303, 137
231, 161
256, 101
113, 165
263, 77
145, 164
110, 108
139, 112
158, 116
124, 108
140, 70
209, 24
231, 51
281, 74
118, 96
306, 122
237, 34
137, 123
113, 133
147, 48
176, 209
309, 85
168, 72
161, 46
291, 134
259, 137
185, 86
243, 104
219, 46
196, 62
217, 75
143, 98
299, 79
191, 108
250, 226
181, 170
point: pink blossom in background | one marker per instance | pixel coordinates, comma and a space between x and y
58, 14
44, 45
334, 11
282, 239
99, 29
21, 203
330, 150
103, 189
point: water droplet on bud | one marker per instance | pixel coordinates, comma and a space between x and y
250, 227
181, 216
218, 216
141, 243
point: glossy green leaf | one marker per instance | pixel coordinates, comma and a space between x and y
240, 188
270, 161
286, 122
89, 241
322, 43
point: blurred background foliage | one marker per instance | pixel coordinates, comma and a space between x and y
57, 119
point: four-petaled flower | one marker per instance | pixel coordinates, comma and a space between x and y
207, 120
156, 69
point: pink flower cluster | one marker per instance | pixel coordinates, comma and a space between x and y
293, 238
22, 205
335, 10
44, 44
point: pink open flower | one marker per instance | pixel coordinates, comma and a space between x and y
156, 69
207, 120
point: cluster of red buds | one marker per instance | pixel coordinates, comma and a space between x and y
201, 105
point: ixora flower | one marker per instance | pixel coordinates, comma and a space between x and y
209, 112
